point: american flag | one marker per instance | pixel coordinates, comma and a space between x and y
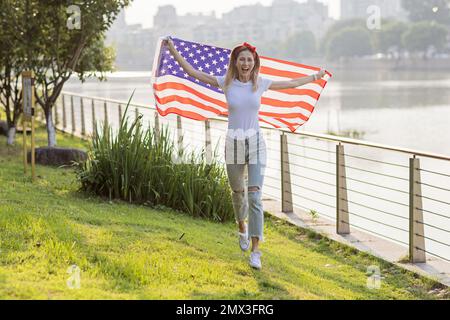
177, 92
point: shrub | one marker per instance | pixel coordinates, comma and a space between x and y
140, 166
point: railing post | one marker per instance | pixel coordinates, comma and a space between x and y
180, 135
37, 114
120, 113
106, 112
64, 113
93, 117
73, 114
342, 216
83, 124
156, 130
286, 189
416, 230
208, 149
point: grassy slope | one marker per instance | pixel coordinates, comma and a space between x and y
136, 252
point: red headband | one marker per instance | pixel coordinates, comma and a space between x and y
251, 48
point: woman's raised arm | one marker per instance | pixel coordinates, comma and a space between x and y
201, 76
278, 85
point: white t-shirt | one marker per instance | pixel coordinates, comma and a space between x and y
243, 105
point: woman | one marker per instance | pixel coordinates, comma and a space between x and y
243, 89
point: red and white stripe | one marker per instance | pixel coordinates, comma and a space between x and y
288, 108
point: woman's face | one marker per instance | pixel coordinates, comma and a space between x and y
245, 64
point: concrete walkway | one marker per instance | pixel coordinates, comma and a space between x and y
435, 268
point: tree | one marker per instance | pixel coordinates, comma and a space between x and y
300, 45
44, 36
66, 50
269, 48
349, 42
390, 36
428, 10
424, 35
336, 28
12, 63
65, 47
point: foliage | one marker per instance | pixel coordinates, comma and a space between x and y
350, 42
428, 10
423, 35
12, 63
300, 45
352, 133
314, 215
390, 36
140, 165
352, 38
336, 28
54, 44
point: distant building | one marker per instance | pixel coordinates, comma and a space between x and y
358, 9
256, 24
166, 17
132, 43
279, 21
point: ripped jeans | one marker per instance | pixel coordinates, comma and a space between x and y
250, 152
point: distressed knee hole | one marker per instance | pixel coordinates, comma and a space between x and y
253, 189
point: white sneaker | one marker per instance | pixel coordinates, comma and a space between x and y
244, 242
255, 259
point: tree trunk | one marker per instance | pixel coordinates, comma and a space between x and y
51, 132
11, 135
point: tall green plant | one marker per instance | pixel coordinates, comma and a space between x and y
142, 166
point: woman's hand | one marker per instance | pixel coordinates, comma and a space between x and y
169, 42
202, 76
321, 73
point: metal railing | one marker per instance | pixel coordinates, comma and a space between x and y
312, 172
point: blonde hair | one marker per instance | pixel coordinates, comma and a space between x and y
232, 71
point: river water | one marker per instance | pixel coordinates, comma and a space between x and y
405, 108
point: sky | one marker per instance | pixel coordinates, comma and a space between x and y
142, 11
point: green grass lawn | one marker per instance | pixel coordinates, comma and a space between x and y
136, 252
